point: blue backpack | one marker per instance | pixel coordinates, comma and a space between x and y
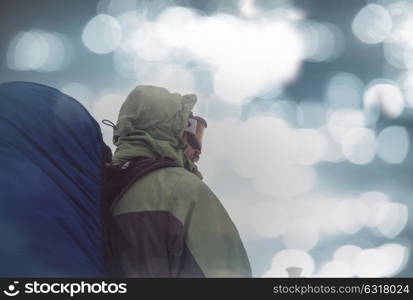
51, 173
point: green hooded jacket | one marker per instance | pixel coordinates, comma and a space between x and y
173, 223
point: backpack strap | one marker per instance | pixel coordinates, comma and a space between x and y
121, 177
117, 180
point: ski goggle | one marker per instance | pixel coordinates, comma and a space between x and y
195, 130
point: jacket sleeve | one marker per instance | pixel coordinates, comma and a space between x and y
210, 234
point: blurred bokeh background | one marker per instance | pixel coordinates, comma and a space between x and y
309, 105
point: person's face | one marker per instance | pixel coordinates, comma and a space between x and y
192, 153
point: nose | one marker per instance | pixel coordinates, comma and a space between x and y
197, 154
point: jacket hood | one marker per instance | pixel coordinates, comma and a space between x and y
151, 123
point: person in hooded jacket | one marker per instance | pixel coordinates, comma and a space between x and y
172, 224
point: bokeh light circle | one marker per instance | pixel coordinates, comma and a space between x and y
102, 34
